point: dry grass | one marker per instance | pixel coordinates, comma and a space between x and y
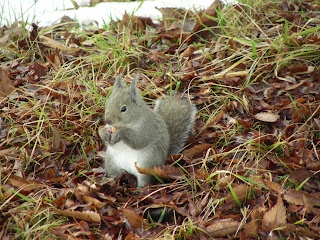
51, 154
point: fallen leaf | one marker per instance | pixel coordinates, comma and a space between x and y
242, 191
252, 228
223, 227
196, 150
275, 217
94, 201
24, 184
171, 13
299, 175
163, 171
216, 118
6, 86
194, 209
266, 116
301, 198
274, 186
132, 22
39, 69
132, 236
294, 86
134, 219
245, 102
308, 232
205, 26
54, 61
300, 114
89, 216
188, 52
55, 138
55, 44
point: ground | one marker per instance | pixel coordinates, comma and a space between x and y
249, 171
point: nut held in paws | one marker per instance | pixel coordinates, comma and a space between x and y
112, 130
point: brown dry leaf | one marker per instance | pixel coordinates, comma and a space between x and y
55, 61
299, 175
301, 198
242, 191
307, 232
217, 118
68, 21
223, 227
170, 13
301, 100
94, 201
7, 192
252, 228
132, 236
194, 209
55, 44
275, 217
9, 153
6, 86
224, 180
134, 219
257, 179
300, 114
24, 184
202, 174
274, 186
245, 102
266, 116
133, 22
206, 25
84, 226
294, 86
268, 92
4, 39
39, 69
163, 171
188, 52
204, 200
89, 216
80, 191
196, 150
55, 138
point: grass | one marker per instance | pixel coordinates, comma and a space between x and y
49, 126
29, 219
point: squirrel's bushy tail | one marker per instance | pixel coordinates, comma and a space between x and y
179, 115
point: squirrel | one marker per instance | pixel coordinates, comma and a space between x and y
134, 133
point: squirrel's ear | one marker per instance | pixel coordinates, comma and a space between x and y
118, 82
133, 91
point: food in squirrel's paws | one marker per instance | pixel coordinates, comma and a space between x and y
112, 130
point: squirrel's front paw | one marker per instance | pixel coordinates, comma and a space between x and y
109, 135
104, 134
114, 138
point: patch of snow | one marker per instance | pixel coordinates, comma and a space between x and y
48, 12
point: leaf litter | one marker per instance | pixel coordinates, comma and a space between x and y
251, 169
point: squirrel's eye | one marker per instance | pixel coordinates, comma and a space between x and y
123, 109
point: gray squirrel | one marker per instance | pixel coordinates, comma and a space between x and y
136, 134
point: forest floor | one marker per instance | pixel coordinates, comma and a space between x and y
251, 169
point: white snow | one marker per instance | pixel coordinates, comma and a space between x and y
48, 12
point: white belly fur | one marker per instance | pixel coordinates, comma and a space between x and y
124, 156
